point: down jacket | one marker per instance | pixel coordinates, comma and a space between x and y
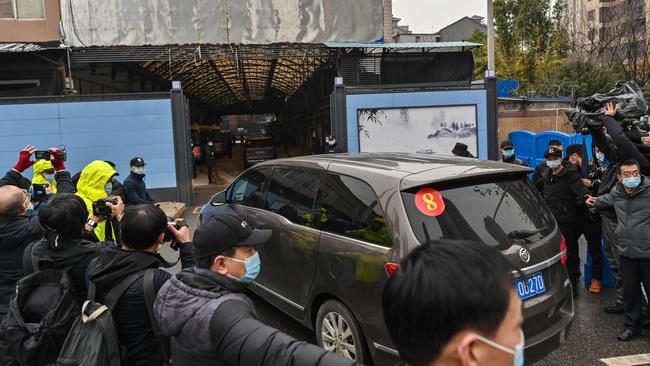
211, 322
633, 216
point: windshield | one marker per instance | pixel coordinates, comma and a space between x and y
498, 213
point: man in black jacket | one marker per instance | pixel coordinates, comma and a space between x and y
589, 223
135, 189
208, 316
63, 247
508, 154
542, 167
143, 229
19, 225
563, 191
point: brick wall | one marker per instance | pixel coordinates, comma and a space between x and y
534, 116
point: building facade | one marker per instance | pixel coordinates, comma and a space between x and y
603, 27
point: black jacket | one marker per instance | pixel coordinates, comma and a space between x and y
16, 233
211, 322
131, 316
563, 193
13, 178
135, 190
76, 254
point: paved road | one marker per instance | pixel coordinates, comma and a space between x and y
592, 337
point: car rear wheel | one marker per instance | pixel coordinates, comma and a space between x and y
337, 331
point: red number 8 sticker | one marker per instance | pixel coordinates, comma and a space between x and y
429, 202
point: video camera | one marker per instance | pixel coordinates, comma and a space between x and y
169, 236
100, 208
47, 154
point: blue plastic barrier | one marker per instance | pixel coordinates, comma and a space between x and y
607, 278
524, 142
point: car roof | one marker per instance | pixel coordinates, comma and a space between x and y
411, 169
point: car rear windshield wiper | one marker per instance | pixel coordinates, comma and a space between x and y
524, 234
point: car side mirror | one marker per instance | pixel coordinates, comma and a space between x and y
218, 199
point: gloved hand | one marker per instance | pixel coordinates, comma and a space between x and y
24, 161
57, 159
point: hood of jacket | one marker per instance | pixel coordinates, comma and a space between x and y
186, 293
68, 253
40, 167
113, 265
93, 179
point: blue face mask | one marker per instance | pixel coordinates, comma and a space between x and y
507, 154
632, 182
108, 188
253, 266
518, 352
553, 164
138, 170
49, 178
600, 157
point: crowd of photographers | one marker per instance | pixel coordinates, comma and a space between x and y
604, 198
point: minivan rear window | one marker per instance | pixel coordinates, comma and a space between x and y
498, 213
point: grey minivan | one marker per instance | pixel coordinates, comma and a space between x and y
342, 222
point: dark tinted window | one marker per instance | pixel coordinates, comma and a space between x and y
350, 208
498, 214
248, 189
291, 194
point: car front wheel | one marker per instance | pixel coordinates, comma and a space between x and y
337, 331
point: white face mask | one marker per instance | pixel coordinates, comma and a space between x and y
517, 353
137, 169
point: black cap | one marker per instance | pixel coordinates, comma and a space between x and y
553, 151
112, 164
226, 231
137, 161
507, 144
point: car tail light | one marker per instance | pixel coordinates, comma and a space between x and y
391, 268
563, 250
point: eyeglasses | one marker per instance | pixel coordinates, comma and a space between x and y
631, 175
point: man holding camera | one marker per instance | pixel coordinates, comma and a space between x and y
19, 226
143, 229
610, 138
95, 187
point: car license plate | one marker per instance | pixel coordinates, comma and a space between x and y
530, 286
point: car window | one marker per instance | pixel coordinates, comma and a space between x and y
249, 188
498, 213
292, 193
349, 207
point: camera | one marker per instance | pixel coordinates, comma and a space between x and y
169, 236
582, 122
46, 154
38, 192
100, 208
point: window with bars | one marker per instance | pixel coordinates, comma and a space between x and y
22, 9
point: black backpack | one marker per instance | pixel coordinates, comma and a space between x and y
93, 338
40, 315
